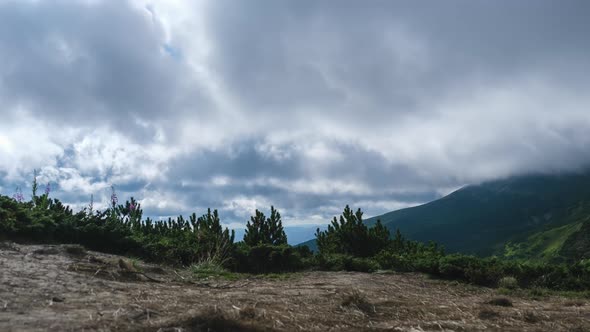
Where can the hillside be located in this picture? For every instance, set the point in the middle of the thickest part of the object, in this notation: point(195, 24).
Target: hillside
point(569, 240)
point(538, 211)
point(65, 288)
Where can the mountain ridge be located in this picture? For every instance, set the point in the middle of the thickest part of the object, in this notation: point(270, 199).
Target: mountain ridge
point(483, 218)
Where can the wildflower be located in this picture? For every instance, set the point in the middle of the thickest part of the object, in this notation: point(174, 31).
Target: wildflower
point(47, 189)
point(18, 195)
point(91, 205)
point(132, 206)
point(114, 198)
point(35, 173)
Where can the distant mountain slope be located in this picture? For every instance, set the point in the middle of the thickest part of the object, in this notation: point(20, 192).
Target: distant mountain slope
point(481, 219)
point(571, 240)
point(311, 244)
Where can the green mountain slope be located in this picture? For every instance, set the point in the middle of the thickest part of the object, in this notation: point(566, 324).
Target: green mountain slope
point(311, 244)
point(570, 240)
point(538, 213)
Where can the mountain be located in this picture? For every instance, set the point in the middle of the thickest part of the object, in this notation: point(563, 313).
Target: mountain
point(536, 214)
point(311, 244)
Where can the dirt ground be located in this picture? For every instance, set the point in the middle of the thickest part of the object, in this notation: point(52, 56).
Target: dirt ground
point(64, 288)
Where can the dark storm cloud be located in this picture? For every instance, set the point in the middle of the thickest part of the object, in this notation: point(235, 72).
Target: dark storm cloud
point(88, 63)
point(396, 56)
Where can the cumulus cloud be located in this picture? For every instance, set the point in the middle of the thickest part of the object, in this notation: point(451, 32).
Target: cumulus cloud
point(306, 105)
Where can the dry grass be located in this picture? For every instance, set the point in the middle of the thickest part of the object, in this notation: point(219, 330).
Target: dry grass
point(248, 312)
point(488, 314)
point(357, 300)
point(531, 317)
point(75, 250)
point(213, 320)
point(575, 303)
point(65, 292)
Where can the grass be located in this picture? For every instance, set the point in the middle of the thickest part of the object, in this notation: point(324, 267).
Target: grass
point(208, 270)
point(136, 263)
point(508, 282)
point(544, 245)
point(548, 243)
point(279, 276)
point(205, 270)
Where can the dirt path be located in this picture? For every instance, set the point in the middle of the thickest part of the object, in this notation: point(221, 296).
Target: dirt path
point(60, 288)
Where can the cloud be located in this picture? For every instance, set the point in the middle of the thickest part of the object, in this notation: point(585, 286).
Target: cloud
point(306, 105)
point(89, 62)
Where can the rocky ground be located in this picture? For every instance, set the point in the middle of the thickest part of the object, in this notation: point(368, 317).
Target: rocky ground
point(65, 288)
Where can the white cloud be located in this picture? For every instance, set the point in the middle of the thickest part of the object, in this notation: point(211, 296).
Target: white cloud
point(244, 207)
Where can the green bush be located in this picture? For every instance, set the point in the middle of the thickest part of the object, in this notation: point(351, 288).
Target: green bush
point(339, 262)
point(208, 269)
point(332, 262)
point(351, 236)
point(118, 230)
point(455, 266)
point(266, 258)
point(363, 265)
point(347, 245)
point(508, 283)
point(262, 230)
point(395, 261)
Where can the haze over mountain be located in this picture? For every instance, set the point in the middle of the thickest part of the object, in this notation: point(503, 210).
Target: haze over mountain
point(304, 105)
point(537, 214)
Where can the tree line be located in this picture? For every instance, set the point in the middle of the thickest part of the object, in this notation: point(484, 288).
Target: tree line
point(347, 244)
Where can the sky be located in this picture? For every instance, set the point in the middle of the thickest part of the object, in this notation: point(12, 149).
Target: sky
point(304, 105)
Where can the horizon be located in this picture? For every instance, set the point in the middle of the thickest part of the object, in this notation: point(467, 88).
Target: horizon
point(297, 234)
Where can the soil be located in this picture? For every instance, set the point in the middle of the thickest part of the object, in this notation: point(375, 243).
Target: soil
point(66, 288)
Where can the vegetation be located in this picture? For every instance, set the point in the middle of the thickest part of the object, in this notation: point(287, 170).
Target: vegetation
point(568, 240)
point(481, 219)
point(202, 243)
point(261, 230)
point(508, 283)
point(351, 236)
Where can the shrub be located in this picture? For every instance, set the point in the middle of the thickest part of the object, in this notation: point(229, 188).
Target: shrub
point(508, 283)
point(362, 265)
point(351, 236)
point(455, 266)
point(348, 244)
point(500, 301)
point(332, 262)
point(394, 261)
point(262, 230)
point(339, 262)
point(266, 258)
point(207, 269)
point(426, 263)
